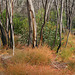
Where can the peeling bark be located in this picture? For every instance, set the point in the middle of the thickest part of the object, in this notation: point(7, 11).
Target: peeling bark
point(32, 24)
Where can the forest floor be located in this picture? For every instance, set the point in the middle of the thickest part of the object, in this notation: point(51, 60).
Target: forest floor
point(39, 61)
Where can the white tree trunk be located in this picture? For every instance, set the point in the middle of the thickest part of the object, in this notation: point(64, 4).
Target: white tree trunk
point(11, 21)
point(32, 22)
point(61, 16)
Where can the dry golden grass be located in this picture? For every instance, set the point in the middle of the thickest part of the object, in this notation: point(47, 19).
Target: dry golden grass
point(26, 69)
point(36, 56)
point(28, 61)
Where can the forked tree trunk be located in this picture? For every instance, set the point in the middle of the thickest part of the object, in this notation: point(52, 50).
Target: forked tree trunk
point(41, 32)
point(60, 26)
point(32, 24)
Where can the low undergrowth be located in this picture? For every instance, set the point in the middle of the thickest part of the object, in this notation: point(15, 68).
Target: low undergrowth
point(37, 56)
point(72, 65)
point(37, 61)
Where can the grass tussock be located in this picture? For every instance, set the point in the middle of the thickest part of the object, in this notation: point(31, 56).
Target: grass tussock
point(37, 56)
point(30, 62)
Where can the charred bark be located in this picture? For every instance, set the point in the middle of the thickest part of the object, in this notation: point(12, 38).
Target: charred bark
point(3, 36)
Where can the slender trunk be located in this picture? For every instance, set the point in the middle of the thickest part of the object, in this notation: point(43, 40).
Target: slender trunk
point(7, 22)
point(67, 38)
point(12, 31)
point(49, 9)
point(41, 32)
point(60, 26)
point(66, 14)
point(70, 22)
point(61, 16)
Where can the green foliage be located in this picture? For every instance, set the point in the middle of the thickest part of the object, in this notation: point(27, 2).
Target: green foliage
point(72, 48)
point(20, 24)
point(49, 28)
point(49, 34)
point(21, 27)
point(53, 17)
point(3, 18)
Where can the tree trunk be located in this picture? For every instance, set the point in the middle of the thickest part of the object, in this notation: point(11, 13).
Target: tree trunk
point(60, 26)
point(32, 24)
point(66, 14)
point(7, 22)
point(45, 17)
point(3, 36)
point(12, 43)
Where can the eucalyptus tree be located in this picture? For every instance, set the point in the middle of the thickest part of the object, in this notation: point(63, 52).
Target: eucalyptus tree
point(60, 25)
point(12, 31)
point(32, 24)
point(9, 23)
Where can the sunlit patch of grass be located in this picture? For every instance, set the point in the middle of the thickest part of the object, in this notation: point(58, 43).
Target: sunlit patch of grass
point(65, 54)
point(72, 48)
